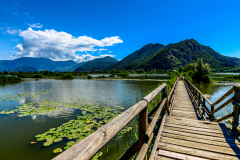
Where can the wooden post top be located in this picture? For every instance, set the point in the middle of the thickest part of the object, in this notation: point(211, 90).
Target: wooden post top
point(237, 87)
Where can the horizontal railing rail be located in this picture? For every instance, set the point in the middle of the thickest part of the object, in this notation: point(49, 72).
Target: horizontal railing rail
point(89, 146)
point(235, 100)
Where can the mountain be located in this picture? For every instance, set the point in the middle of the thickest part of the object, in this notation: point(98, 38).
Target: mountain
point(23, 69)
point(175, 55)
point(133, 59)
point(97, 64)
point(40, 64)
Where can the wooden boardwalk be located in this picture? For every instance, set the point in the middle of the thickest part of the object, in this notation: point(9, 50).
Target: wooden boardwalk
point(185, 136)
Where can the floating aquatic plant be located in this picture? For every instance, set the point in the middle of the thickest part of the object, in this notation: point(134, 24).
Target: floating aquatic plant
point(57, 150)
point(93, 117)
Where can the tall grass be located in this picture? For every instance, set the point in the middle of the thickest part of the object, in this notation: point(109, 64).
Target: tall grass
point(9, 79)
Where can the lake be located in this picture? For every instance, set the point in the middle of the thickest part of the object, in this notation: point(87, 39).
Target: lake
point(16, 133)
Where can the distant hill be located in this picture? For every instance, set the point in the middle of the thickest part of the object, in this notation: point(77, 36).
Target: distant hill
point(40, 64)
point(97, 64)
point(133, 59)
point(173, 56)
point(23, 69)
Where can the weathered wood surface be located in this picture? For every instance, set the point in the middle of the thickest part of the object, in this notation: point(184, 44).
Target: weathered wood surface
point(184, 136)
point(89, 146)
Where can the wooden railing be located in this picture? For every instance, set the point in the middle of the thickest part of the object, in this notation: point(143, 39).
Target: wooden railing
point(201, 99)
point(89, 146)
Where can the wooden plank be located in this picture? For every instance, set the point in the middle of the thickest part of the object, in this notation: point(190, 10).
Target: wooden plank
point(184, 112)
point(175, 155)
point(197, 128)
point(195, 132)
point(202, 146)
point(162, 158)
point(220, 107)
point(194, 124)
point(195, 152)
point(89, 146)
point(227, 139)
point(197, 121)
point(193, 139)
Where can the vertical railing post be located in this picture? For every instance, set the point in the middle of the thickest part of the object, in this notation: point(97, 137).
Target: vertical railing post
point(203, 110)
point(143, 124)
point(236, 110)
point(212, 116)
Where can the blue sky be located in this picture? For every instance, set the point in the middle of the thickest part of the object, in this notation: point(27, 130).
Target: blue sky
point(87, 29)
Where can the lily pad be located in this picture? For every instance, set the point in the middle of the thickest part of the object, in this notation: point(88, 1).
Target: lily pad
point(57, 150)
point(57, 139)
point(48, 143)
point(71, 143)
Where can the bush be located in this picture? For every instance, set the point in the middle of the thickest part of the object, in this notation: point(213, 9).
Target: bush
point(66, 76)
point(9, 79)
point(102, 77)
point(22, 76)
point(206, 79)
point(123, 74)
point(111, 75)
point(89, 77)
point(37, 76)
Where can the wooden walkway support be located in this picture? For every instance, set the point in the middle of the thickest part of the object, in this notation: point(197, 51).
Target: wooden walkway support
point(184, 132)
point(183, 135)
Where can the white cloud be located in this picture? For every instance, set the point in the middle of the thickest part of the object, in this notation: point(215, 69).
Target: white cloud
point(14, 40)
point(6, 52)
point(103, 49)
point(110, 51)
point(60, 45)
point(88, 57)
point(36, 25)
point(12, 31)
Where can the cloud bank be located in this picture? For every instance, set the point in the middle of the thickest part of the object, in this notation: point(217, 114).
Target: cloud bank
point(61, 45)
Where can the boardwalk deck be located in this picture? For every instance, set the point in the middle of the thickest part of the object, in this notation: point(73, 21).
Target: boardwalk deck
point(185, 136)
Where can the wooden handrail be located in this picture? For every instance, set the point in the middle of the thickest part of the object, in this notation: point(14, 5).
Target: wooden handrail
point(225, 117)
point(89, 146)
point(223, 97)
point(235, 101)
point(222, 106)
point(198, 91)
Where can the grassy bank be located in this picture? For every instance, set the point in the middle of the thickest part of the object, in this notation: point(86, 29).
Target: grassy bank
point(9, 79)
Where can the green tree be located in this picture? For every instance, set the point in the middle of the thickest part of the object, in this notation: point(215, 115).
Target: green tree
point(202, 72)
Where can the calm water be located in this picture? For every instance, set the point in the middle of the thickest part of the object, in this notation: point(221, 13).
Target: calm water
point(16, 133)
point(225, 74)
